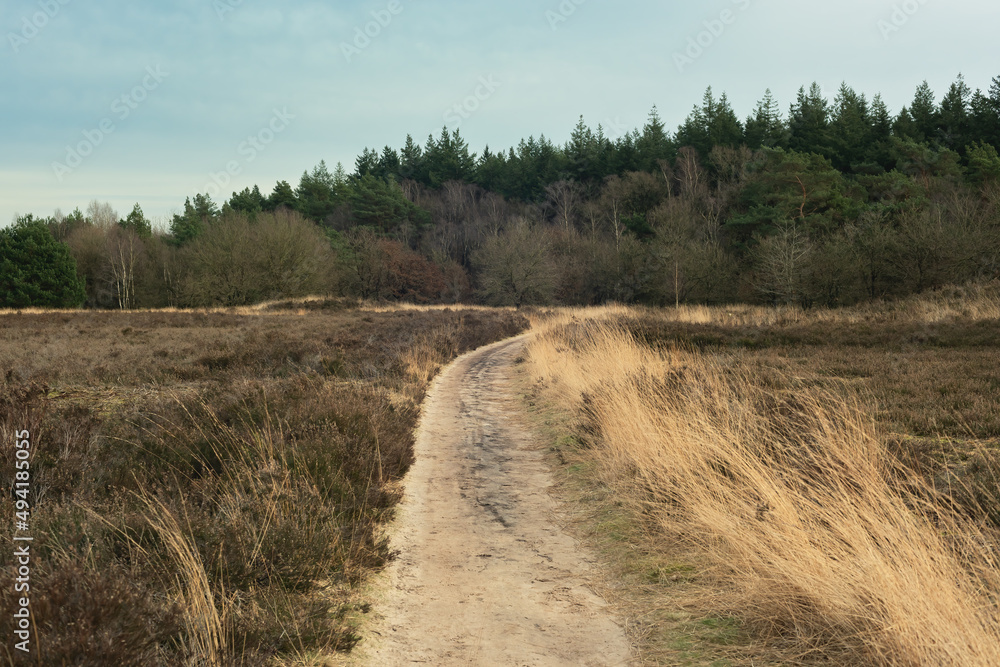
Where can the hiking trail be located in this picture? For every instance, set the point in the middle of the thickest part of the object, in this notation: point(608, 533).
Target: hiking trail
point(484, 574)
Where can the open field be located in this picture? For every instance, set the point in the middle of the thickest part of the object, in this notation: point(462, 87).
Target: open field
point(765, 485)
point(210, 484)
point(774, 486)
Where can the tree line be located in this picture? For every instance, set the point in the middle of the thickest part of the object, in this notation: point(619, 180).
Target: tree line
point(830, 203)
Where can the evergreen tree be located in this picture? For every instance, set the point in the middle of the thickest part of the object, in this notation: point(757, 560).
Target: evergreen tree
point(850, 129)
point(766, 128)
point(694, 132)
point(954, 121)
point(411, 161)
point(340, 178)
point(195, 218)
point(388, 164)
point(137, 222)
point(903, 126)
point(925, 162)
point(654, 144)
point(381, 205)
point(877, 155)
point(604, 154)
point(809, 123)
point(550, 164)
point(36, 269)
point(984, 121)
point(448, 159)
point(625, 156)
point(712, 124)
point(282, 196)
point(366, 163)
point(925, 114)
point(724, 127)
point(984, 163)
point(524, 177)
point(803, 188)
point(248, 201)
point(991, 124)
point(317, 194)
point(582, 154)
point(491, 171)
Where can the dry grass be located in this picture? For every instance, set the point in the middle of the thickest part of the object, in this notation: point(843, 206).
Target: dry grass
point(205, 641)
point(810, 532)
point(209, 486)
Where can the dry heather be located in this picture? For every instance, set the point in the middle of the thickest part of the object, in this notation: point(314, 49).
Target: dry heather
point(208, 486)
point(812, 532)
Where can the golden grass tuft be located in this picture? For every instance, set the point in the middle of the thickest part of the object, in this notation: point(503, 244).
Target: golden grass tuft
point(206, 638)
point(829, 546)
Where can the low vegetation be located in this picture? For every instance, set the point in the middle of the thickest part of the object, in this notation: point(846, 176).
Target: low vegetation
point(789, 486)
point(768, 485)
point(207, 486)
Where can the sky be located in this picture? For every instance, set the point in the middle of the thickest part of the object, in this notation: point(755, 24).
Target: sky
point(151, 103)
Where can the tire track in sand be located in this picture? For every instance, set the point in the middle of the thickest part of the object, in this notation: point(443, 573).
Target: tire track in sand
point(484, 575)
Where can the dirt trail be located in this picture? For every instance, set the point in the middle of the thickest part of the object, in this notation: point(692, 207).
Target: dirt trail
point(484, 575)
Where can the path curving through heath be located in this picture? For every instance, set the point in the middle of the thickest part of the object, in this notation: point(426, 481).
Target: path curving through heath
point(484, 575)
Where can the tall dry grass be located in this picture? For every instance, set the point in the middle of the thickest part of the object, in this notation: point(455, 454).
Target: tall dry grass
point(829, 546)
point(206, 637)
point(972, 302)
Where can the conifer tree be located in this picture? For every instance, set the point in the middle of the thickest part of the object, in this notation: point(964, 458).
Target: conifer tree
point(954, 116)
point(924, 112)
point(809, 122)
point(137, 222)
point(850, 128)
point(36, 269)
point(654, 143)
point(282, 196)
point(766, 127)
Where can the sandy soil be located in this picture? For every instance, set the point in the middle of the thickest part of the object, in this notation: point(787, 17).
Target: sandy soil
point(485, 575)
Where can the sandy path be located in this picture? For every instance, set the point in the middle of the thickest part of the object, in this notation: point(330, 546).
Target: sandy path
point(484, 574)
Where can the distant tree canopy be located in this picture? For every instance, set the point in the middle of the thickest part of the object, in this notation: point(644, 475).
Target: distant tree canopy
point(36, 269)
point(853, 132)
point(857, 136)
point(830, 201)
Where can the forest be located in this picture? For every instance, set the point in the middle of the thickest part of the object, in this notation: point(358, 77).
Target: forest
point(829, 203)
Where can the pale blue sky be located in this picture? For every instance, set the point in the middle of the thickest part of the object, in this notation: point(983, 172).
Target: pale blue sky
point(161, 96)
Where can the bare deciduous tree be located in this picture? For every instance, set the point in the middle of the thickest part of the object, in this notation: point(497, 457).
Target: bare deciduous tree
point(237, 262)
point(515, 267)
point(101, 215)
point(781, 260)
point(563, 200)
point(124, 253)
